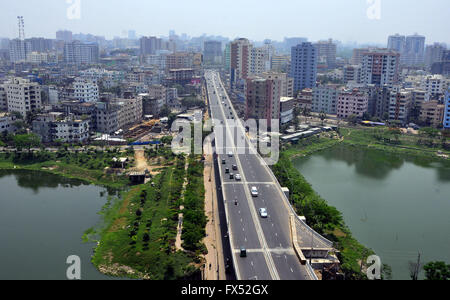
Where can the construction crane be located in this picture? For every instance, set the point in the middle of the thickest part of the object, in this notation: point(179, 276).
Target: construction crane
point(21, 28)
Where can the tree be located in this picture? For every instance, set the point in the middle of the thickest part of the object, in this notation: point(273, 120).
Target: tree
point(323, 117)
point(437, 271)
point(27, 141)
point(430, 132)
point(165, 111)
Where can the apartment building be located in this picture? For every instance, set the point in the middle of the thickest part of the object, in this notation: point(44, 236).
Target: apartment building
point(263, 99)
point(325, 98)
point(240, 60)
point(79, 53)
point(151, 106)
point(304, 66)
point(380, 67)
point(287, 83)
point(7, 121)
point(352, 102)
point(85, 90)
point(23, 96)
point(434, 86)
point(447, 110)
point(114, 114)
point(400, 103)
point(432, 113)
point(3, 99)
point(212, 52)
point(326, 52)
point(352, 73)
point(287, 105)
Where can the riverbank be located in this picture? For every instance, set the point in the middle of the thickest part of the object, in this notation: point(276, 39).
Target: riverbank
point(62, 166)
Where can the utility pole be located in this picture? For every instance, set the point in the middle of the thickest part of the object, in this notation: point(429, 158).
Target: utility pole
point(417, 269)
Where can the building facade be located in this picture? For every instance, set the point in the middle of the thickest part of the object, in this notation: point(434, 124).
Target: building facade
point(23, 96)
point(304, 66)
point(352, 102)
point(263, 99)
point(380, 67)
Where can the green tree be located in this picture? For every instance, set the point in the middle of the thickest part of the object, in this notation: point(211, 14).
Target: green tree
point(437, 271)
point(26, 141)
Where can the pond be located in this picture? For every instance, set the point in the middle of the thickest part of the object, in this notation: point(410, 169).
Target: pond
point(42, 220)
point(395, 205)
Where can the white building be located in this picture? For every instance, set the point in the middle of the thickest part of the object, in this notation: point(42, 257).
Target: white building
point(287, 83)
point(434, 86)
point(380, 67)
point(325, 98)
point(85, 90)
point(23, 96)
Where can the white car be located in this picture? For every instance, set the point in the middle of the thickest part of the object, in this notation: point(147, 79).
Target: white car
point(263, 213)
point(255, 191)
point(230, 154)
point(238, 177)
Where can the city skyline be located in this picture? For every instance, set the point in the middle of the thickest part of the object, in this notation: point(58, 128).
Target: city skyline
point(286, 19)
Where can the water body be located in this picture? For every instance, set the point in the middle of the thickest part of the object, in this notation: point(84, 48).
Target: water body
point(394, 205)
point(42, 221)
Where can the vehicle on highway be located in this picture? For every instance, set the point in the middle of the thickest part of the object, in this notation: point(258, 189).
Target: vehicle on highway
point(230, 154)
point(235, 168)
point(255, 192)
point(243, 252)
point(263, 213)
point(231, 176)
point(224, 162)
point(227, 171)
point(238, 177)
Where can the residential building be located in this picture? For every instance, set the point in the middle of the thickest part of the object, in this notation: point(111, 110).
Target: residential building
point(18, 50)
point(212, 52)
point(432, 113)
point(150, 45)
point(85, 90)
point(414, 50)
point(3, 99)
point(325, 98)
point(287, 105)
point(352, 103)
point(280, 63)
point(400, 104)
point(114, 114)
point(352, 73)
point(7, 123)
point(240, 56)
point(64, 35)
point(380, 67)
point(287, 83)
point(397, 43)
point(434, 86)
point(23, 96)
point(434, 53)
point(304, 99)
point(79, 53)
point(151, 106)
point(258, 61)
point(326, 52)
point(304, 66)
point(263, 99)
point(447, 110)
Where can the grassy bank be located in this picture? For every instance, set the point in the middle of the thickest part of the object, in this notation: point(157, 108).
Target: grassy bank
point(138, 239)
point(67, 165)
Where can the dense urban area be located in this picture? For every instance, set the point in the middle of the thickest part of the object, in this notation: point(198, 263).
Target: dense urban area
point(102, 111)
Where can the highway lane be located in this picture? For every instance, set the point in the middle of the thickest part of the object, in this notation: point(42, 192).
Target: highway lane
point(268, 240)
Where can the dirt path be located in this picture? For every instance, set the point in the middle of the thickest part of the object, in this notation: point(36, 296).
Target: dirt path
point(178, 240)
point(141, 161)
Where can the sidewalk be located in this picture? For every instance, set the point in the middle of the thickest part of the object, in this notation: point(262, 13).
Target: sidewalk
point(214, 266)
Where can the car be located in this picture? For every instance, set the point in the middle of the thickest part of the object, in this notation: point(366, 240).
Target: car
point(231, 176)
point(263, 213)
point(243, 252)
point(255, 191)
point(227, 171)
point(235, 168)
point(230, 154)
point(238, 177)
point(224, 162)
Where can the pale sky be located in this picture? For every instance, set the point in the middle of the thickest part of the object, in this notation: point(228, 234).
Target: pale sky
point(344, 20)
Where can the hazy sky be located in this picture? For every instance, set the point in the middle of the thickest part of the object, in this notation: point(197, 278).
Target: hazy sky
point(344, 20)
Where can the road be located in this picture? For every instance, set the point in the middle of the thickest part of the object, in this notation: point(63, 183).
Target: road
point(268, 241)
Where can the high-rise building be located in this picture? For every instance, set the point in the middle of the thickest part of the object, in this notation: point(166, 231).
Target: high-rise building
point(212, 52)
point(150, 45)
point(40, 44)
point(400, 103)
point(227, 57)
point(304, 66)
point(293, 41)
point(23, 96)
point(258, 61)
point(64, 35)
point(287, 83)
point(263, 99)
point(414, 50)
point(434, 53)
point(380, 67)
point(78, 53)
point(397, 43)
point(326, 51)
point(447, 110)
point(240, 60)
point(18, 50)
